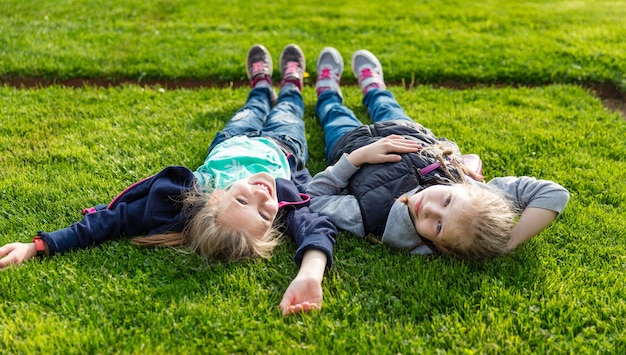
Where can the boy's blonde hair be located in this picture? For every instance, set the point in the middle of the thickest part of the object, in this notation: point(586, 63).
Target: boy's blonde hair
point(487, 226)
point(204, 234)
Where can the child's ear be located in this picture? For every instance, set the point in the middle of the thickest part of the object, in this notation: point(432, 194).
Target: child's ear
point(442, 249)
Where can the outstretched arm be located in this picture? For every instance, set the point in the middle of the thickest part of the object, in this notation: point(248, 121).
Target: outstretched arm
point(540, 202)
point(314, 235)
point(305, 291)
point(531, 222)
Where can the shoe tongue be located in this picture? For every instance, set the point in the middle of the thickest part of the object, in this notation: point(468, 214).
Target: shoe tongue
point(366, 71)
point(292, 68)
point(258, 68)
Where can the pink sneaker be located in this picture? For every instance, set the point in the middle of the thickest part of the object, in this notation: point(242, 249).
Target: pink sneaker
point(259, 68)
point(368, 70)
point(292, 66)
point(329, 69)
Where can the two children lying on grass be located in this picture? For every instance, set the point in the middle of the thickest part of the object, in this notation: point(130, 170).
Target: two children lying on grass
point(393, 179)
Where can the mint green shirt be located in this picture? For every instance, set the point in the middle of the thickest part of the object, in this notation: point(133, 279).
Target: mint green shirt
point(240, 157)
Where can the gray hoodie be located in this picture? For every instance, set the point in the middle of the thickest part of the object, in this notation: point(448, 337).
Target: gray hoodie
point(328, 196)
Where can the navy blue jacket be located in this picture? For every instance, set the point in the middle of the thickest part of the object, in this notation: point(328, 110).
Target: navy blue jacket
point(151, 206)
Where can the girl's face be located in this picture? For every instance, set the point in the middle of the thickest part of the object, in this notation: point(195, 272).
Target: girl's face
point(435, 212)
point(250, 205)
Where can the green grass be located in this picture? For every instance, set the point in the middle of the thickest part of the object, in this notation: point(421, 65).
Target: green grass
point(496, 41)
point(66, 149)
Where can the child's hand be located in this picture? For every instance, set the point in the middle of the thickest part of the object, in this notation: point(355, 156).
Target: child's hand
point(16, 253)
point(303, 295)
point(382, 151)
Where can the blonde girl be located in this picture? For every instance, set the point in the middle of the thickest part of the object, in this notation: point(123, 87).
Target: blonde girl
point(232, 206)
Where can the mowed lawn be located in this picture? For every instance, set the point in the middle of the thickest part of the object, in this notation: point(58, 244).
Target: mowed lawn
point(516, 42)
point(530, 111)
point(66, 149)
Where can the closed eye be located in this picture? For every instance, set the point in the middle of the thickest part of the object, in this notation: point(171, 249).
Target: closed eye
point(241, 201)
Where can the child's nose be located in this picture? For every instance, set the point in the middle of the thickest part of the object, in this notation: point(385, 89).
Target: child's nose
point(260, 194)
point(429, 209)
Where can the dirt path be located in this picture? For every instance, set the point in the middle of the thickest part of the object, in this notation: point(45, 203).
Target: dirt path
point(611, 97)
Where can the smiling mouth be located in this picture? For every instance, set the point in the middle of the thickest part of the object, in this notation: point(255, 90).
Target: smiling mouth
point(418, 206)
point(265, 187)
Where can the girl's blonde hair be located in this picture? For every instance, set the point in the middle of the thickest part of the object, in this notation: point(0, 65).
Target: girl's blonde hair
point(446, 154)
point(204, 234)
point(488, 226)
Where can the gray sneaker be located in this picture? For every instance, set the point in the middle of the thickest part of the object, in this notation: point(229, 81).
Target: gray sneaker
point(259, 67)
point(292, 66)
point(368, 70)
point(259, 64)
point(329, 69)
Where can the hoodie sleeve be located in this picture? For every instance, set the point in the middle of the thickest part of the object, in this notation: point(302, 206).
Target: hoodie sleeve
point(328, 197)
point(311, 230)
point(147, 207)
point(308, 229)
point(529, 192)
point(94, 228)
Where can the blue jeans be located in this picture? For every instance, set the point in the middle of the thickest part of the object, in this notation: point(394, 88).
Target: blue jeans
point(283, 123)
point(337, 119)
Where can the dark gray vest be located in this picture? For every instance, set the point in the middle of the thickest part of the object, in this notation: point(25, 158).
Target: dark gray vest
point(377, 186)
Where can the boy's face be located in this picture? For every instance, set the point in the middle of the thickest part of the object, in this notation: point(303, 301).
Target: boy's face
point(250, 205)
point(435, 213)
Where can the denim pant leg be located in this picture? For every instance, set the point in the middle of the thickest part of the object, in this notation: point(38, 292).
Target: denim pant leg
point(335, 118)
point(382, 106)
point(249, 119)
point(285, 123)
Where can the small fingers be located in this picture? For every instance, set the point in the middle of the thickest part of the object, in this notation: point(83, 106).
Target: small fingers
point(402, 147)
point(304, 307)
point(5, 250)
point(292, 310)
point(397, 141)
point(389, 158)
point(7, 261)
point(395, 137)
